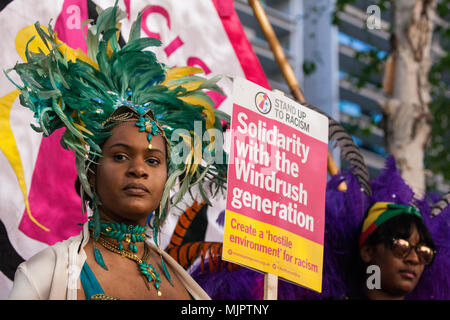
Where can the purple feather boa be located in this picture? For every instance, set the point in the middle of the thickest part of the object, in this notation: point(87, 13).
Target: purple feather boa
point(344, 212)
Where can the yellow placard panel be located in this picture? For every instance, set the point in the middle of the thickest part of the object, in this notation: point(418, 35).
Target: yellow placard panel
point(271, 249)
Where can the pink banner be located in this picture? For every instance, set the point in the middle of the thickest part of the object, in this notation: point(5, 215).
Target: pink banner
point(247, 57)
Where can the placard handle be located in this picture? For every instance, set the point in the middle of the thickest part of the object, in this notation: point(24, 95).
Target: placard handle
point(270, 286)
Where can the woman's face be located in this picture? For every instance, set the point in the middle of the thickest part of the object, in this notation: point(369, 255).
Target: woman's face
point(398, 276)
point(130, 177)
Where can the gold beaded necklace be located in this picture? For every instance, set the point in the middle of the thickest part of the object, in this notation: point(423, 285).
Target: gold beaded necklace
point(147, 270)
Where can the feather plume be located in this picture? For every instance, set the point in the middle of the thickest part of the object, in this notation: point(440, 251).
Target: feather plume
point(166, 271)
point(441, 204)
point(99, 258)
point(348, 149)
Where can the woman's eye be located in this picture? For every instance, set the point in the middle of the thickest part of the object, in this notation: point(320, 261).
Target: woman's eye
point(119, 157)
point(153, 161)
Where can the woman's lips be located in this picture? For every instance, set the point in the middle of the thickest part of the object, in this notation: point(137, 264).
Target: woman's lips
point(408, 274)
point(135, 189)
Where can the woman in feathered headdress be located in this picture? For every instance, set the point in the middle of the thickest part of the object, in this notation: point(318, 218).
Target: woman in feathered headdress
point(130, 122)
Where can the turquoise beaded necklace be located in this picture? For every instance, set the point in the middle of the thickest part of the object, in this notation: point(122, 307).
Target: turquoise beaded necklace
point(122, 232)
point(129, 234)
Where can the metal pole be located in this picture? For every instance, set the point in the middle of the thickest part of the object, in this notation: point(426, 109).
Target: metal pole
point(286, 69)
point(277, 50)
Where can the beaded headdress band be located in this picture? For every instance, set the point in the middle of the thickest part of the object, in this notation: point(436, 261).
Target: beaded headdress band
point(145, 120)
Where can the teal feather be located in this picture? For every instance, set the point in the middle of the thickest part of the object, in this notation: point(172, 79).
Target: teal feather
point(105, 20)
point(166, 271)
point(203, 194)
point(99, 258)
point(96, 218)
point(5, 72)
point(83, 201)
point(155, 229)
point(200, 176)
point(140, 44)
point(92, 43)
point(27, 52)
point(185, 185)
point(42, 34)
point(135, 31)
point(82, 174)
point(171, 180)
point(222, 115)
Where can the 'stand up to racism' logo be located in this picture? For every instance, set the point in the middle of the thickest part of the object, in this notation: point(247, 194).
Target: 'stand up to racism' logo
point(263, 103)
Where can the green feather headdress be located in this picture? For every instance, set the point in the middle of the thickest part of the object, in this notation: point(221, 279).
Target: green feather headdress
point(67, 89)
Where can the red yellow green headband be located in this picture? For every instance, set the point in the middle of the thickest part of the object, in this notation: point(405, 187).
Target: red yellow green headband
point(381, 212)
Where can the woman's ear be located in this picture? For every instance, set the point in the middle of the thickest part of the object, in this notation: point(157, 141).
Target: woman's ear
point(366, 253)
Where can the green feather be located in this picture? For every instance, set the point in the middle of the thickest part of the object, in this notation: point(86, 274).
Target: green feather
point(92, 44)
point(166, 271)
point(41, 34)
point(96, 218)
point(155, 229)
point(82, 175)
point(99, 258)
point(140, 44)
point(185, 185)
point(222, 115)
point(135, 32)
point(170, 183)
point(203, 194)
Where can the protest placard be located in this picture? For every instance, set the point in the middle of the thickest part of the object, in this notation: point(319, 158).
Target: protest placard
point(275, 211)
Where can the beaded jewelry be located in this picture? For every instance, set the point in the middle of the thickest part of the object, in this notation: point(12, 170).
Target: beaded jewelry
point(146, 121)
point(130, 234)
point(148, 126)
point(122, 232)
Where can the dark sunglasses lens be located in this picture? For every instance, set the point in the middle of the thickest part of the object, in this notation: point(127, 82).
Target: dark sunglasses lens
point(425, 254)
point(400, 248)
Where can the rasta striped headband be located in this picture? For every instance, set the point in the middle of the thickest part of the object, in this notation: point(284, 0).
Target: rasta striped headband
point(381, 212)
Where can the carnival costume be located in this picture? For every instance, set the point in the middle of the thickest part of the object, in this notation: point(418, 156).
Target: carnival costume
point(89, 94)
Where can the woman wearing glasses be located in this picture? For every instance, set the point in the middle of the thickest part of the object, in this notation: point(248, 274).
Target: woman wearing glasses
point(395, 240)
point(376, 246)
point(386, 245)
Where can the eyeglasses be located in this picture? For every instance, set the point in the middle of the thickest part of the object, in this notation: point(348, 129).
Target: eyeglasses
point(401, 248)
